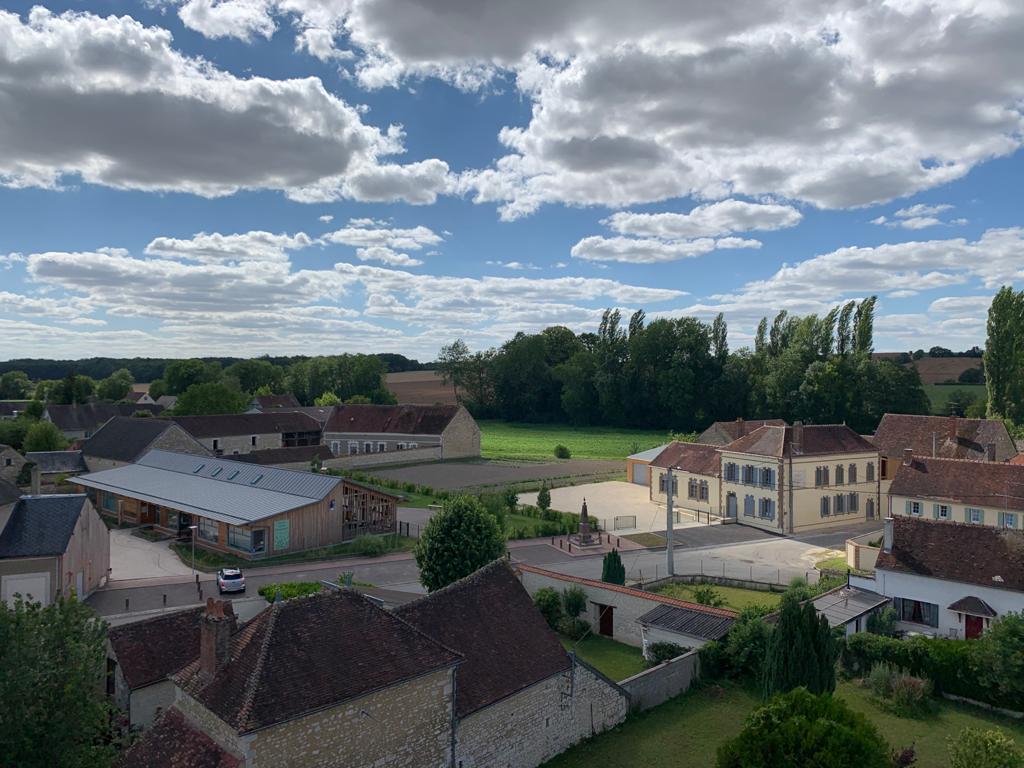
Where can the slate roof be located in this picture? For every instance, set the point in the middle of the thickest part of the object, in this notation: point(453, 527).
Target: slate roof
point(8, 408)
point(649, 455)
point(690, 457)
point(125, 439)
point(950, 436)
point(277, 401)
point(167, 401)
point(220, 489)
point(818, 439)
point(231, 424)
point(9, 493)
point(396, 419)
point(271, 456)
point(149, 650)
point(173, 743)
point(974, 606)
point(489, 618)
point(41, 526)
point(688, 622)
point(988, 485)
point(58, 462)
point(842, 605)
point(88, 416)
point(724, 432)
point(309, 653)
point(969, 554)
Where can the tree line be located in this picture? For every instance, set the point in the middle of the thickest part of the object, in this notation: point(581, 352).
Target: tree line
point(680, 373)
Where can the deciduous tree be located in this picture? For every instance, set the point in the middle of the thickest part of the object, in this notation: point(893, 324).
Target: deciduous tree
point(44, 436)
point(457, 541)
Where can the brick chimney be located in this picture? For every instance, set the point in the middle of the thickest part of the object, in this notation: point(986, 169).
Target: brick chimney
point(908, 457)
point(951, 428)
point(990, 451)
point(215, 630)
point(887, 535)
point(798, 437)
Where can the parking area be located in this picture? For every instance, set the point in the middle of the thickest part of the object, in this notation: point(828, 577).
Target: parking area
point(481, 474)
point(132, 557)
point(622, 508)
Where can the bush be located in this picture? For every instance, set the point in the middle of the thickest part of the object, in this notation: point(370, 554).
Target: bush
point(288, 590)
point(574, 601)
point(544, 498)
point(369, 546)
point(574, 629)
point(746, 644)
point(457, 541)
point(975, 748)
point(612, 569)
point(883, 622)
point(705, 594)
point(911, 696)
point(714, 661)
point(562, 452)
point(548, 602)
point(880, 680)
point(659, 653)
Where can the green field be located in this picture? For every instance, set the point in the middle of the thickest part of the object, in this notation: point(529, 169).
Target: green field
point(939, 394)
point(735, 597)
point(613, 659)
point(686, 731)
point(507, 440)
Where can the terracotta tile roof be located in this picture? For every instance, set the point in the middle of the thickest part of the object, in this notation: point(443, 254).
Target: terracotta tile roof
point(974, 606)
point(1018, 459)
point(490, 619)
point(309, 653)
point(969, 554)
point(173, 743)
point(951, 437)
point(397, 419)
point(988, 485)
point(300, 453)
point(148, 651)
point(690, 457)
point(228, 424)
point(817, 439)
point(724, 432)
point(652, 596)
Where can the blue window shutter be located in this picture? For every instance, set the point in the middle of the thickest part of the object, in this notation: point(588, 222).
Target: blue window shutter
point(1000, 520)
point(982, 518)
point(908, 506)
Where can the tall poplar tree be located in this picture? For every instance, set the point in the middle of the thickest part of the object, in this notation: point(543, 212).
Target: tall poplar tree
point(1004, 355)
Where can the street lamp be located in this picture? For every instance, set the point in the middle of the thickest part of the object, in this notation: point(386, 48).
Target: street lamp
point(194, 574)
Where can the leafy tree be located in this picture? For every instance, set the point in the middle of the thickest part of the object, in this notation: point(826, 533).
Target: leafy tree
point(157, 388)
point(13, 432)
point(44, 436)
point(802, 730)
point(182, 374)
point(327, 399)
point(34, 409)
point(999, 659)
point(612, 569)
point(975, 748)
point(55, 712)
point(1004, 355)
point(544, 498)
point(746, 645)
point(116, 386)
point(210, 397)
point(457, 541)
point(14, 385)
point(883, 622)
point(705, 594)
point(801, 650)
point(548, 602)
point(72, 389)
point(451, 364)
point(254, 374)
point(574, 601)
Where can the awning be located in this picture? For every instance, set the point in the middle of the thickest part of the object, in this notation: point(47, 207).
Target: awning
point(975, 606)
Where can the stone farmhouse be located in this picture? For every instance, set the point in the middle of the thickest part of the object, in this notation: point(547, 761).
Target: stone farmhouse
point(124, 440)
point(961, 490)
point(469, 676)
point(11, 463)
point(237, 433)
point(442, 431)
point(81, 420)
point(948, 579)
point(240, 508)
point(52, 545)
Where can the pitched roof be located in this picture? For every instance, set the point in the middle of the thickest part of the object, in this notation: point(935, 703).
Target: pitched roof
point(173, 743)
point(649, 455)
point(229, 424)
point(149, 650)
point(167, 401)
point(844, 604)
point(817, 439)
point(220, 489)
point(277, 401)
point(125, 439)
point(9, 493)
point(12, 407)
point(724, 432)
point(950, 437)
point(53, 462)
point(309, 653)
point(396, 419)
point(300, 453)
point(41, 526)
point(489, 618)
point(974, 606)
point(87, 417)
point(985, 484)
point(688, 621)
point(1018, 459)
point(690, 457)
point(969, 554)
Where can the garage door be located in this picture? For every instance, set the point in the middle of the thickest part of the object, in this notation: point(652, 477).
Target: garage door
point(640, 473)
point(36, 585)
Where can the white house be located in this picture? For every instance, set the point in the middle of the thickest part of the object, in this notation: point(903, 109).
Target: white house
point(948, 579)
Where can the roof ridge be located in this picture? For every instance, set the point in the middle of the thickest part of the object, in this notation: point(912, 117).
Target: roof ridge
point(919, 457)
point(252, 684)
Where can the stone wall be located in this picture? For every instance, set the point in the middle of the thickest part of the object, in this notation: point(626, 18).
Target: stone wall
point(232, 445)
point(148, 702)
point(859, 554)
point(11, 463)
point(665, 681)
point(461, 438)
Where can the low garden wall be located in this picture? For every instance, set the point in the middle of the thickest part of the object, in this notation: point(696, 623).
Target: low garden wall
point(659, 684)
point(859, 555)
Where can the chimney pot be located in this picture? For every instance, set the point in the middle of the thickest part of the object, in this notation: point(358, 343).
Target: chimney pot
point(215, 629)
point(887, 535)
point(908, 457)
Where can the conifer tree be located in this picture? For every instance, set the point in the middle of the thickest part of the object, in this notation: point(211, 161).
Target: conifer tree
point(612, 569)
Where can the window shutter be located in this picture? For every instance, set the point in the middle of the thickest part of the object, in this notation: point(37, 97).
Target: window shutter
point(908, 507)
point(935, 511)
point(981, 518)
point(824, 474)
point(1000, 520)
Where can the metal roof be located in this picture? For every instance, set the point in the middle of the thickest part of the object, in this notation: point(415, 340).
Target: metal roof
point(220, 489)
point(649, 455)
point(843, 605)
point(686, 621)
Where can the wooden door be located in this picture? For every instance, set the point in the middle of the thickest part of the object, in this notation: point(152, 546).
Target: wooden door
point(974, 626)
point(606, 613)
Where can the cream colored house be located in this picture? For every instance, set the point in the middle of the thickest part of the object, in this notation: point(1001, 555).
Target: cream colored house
point(696, 479)
point(799, 478)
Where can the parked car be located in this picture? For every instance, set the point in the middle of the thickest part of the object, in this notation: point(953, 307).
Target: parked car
point(230, 580)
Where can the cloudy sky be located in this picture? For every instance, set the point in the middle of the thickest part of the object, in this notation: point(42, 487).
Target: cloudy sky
point(238, 177)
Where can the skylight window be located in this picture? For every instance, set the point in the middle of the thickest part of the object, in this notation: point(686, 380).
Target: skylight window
point(217, 471)
point(197, 469)
point(255, 479)
point(233, 475)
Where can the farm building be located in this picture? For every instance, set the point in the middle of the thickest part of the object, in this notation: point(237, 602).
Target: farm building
point(638, 465)
point(122, 440)
point(236, 433)
point(448, 430)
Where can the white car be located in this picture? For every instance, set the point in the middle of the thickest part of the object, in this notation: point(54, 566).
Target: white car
point(230, 580)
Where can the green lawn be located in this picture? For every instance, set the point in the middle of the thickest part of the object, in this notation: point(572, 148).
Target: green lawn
point(506, 440)
point(208, 561)
point(734, 597)
point(616, 660)
point(686, 731)
point(939, 394)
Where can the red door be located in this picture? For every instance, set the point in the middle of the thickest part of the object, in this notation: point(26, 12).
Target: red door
point(606, 620)
point(974, 626)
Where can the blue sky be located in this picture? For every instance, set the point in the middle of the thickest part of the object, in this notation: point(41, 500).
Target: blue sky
point(186, 177)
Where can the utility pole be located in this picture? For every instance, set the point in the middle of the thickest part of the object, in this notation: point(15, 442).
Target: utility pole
point(669, 552)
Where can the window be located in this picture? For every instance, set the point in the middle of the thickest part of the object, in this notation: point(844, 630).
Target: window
point(851, 474)
point(974, 515)
point(839, 474)
point(691, 488)
point(239, 538)
point(208, 529)
point(853, 502)
point(913, 508)
point(871, 472)
point(353, 447)
point(825, 503)
point(335, 447)
point(767, 509)
point(917, 611)
point(216, 444)
point(703, 490)
point(821, 476)
point(382, 447)
point(869, 508)
point(400, 446)
point(367, 447)
point(940, 511)
point(732, 472)
point(1009, 519)
point(748, 506)
point(883, 466)
point(233, 474)
point(171, 519)
point(413, 445)
point(8, 461)
point(748, 474)
point(252, 441)
point(840, 503)
point(109, 502)
point(768, 477)
point(217, 471)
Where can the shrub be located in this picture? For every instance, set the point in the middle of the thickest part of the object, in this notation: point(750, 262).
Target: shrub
point(714, 660)
point(551, 515)
point(612, 569)
point(746, 644)
point(574, 601)
point(457, 541)
point(705, 594)
point(574, 629)
point(911, 696)
point(883, 622)
point(880, 679)
point(548, 602)
point(975, 748)
point(544, 498)
point(288, 590)
point(659, 653)
point(562, 452)
point(369, 546)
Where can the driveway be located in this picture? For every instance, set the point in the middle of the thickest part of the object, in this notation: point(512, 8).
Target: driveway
point(134, 558)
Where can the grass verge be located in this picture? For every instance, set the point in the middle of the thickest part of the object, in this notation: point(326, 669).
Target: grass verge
point(207, 560)
point(646, 539)
point(615, 660)
point(735, 597)
point(508, 440)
